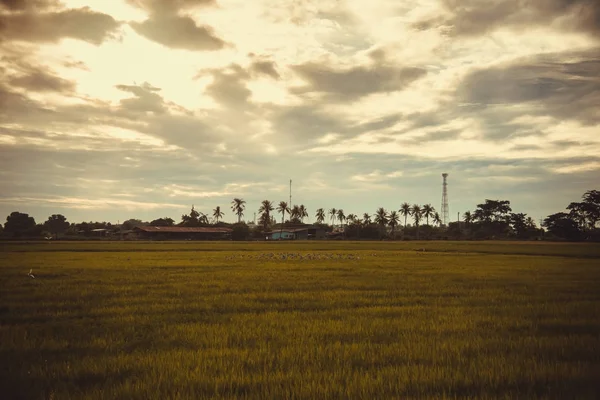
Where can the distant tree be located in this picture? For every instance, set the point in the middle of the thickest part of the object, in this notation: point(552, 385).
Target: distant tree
point(467, 217)
point(381, 219)
point(56, 224)
point(393, 220)
point(193, 219)
point(302, 213)
point(341, 216)
point(417, 215)
point(366, 219)
point(295, 214)
point(563, 226)
point(166, 221)
point(405, 211)
point(18, 223)
point(265, 213)
point(238, 206)
point(218, 214)
point(320, 216)
point(351, 218)
point(240, 231)
point(437, 219)
point(332, 215)
point(282, 208)
point(427, 212)
point(493, 210)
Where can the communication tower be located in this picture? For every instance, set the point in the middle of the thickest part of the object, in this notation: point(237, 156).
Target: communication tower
point(445, 210)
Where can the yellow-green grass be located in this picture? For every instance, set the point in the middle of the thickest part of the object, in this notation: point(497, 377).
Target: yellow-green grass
point(331, 320)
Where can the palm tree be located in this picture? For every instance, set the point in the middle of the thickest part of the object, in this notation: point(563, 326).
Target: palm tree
point(351, 218)
point(427, 212)
point(282, 208)
point(381, 219)
point(468, 217)
point(302, 213)
point(238, 206)
point(218, 214)
point(393, 220)
point(406, 211)
point(332, 214)
point(320, 215)
point(436, 219)
point(295, 213)
point(265, 209)
point(366, 219)
point(416, 213)
point(340, 216)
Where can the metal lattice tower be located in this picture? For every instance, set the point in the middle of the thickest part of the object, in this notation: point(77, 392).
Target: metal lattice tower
point(445, 210)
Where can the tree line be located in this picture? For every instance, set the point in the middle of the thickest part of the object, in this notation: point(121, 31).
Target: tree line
point(493, 219)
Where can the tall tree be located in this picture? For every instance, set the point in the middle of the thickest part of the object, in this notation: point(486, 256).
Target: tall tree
point(56, 224)
point(218, 214)
point(405, 211)
point(563, 225)
point(302, 213)
point(416, 214)
point(381, 219)
point(295, 214)
point(18, 223)
point(238, 206)
point(393, 220)
point(193, 219)
point(437, 219)
point(341, 216)
point(333, 216)
point(467, 217)
point(493, 211)
point(366, 219)
point(427, 211)
point(320, 216)
point(265, 212)
point(282, 208)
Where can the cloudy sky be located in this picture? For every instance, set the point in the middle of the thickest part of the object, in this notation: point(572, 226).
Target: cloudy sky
point(116, 109)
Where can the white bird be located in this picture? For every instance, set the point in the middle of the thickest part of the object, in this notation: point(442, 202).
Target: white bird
point(31, 273)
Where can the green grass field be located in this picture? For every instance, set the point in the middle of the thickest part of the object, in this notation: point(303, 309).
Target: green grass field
point(312, 320)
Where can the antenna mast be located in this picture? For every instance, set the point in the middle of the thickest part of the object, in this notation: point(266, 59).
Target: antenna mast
point(445, 210)
point(290, 204)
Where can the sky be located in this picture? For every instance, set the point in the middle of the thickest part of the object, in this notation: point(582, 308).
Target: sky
point(118, 109)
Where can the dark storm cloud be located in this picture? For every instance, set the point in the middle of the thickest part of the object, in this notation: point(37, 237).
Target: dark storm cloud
point(51, 26)
point(351, 83)
point(178, 32)
point(548, 83)
point(475, 17)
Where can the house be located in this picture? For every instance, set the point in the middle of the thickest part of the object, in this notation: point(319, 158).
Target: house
point(296, 232)
point(181, 233)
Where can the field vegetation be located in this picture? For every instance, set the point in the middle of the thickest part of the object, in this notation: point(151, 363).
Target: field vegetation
point(312, 320)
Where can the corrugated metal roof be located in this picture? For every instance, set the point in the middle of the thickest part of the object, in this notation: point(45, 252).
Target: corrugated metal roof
point(183, 229)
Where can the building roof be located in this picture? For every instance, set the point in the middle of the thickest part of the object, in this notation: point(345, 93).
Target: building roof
point(182, 229)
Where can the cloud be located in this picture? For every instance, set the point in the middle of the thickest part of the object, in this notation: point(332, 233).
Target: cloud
point(476, 17)
point(563, 85)
point(267, 68)
point(52, 26)
point(346, 84)
point(178, 32)
point(19, 5)
point(169, 6)
point(146, 98)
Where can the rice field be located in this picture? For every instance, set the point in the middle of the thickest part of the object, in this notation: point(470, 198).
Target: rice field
point(302, 320)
